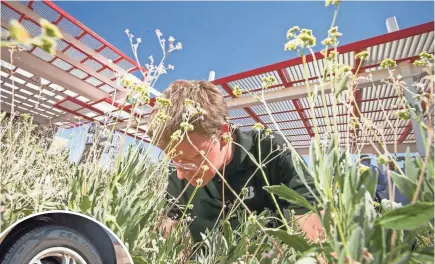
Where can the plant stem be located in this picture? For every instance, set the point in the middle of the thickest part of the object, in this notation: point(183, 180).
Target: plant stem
point(422, 172)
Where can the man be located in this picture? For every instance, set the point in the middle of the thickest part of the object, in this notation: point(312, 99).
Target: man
point(382, 191)
point(399, 197)
point(230, 154)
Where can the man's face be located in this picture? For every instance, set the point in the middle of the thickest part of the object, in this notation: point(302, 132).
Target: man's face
point(216, 151)
point(366, 162)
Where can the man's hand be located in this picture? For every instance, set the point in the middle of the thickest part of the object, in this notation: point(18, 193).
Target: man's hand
point(310, 224)
point(169, 224)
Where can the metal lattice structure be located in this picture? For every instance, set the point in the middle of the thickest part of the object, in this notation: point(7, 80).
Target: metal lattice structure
point(290, 105)
point(80, 81)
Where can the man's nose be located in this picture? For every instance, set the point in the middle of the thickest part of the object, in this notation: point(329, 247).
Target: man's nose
point(182, 174)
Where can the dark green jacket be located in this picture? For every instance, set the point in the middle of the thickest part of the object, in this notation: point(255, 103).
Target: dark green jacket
point(207, 202)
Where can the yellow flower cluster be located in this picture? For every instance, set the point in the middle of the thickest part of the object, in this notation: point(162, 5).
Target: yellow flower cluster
point(331, 40)
point(176, 135)
point(46, 41)
point(333, 2)
point(258, 126)
point(163, 101)
point(237, 91)
point(425, 59)
point(304, 39)
point(186, 126)
point(268, 81)
point(362, 55)
point(388, 63)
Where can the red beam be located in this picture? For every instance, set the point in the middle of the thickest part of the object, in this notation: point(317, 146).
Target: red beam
point(284, 78)
point(346, 114)
point(408, 128)
point(405, 132)
point(410, 59)
point(58, 20)
point(117, 60)
point(100, 48)
point(81, 35)
point(72, 112)
point(90, 32)
point(360, 45)
point(247, 109)
point(303, 117)
point(68, 44)
point(125, 108)
point(363, 68)
point(85, 105)
point(254, 116)
point(30, 4)
point(302, 127)
point(85, 59)
point(132, 70)
point(315, 107)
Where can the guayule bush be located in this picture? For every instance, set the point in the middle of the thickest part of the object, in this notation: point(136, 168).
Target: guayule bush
point(130, 198)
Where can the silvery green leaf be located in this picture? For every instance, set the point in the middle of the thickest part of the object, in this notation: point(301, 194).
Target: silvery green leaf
point(356, 243)
point(326, 219)
point(411, 169)
point(297, 242)
point(285, 193)
point(410, 216)
point(306, 260)
point(342, 85)
point(228, 232)
point(405, 185)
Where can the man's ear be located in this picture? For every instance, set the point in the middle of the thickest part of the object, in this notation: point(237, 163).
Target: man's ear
point(225, 128)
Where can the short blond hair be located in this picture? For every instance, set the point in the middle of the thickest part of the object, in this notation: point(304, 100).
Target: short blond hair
point(204, 93)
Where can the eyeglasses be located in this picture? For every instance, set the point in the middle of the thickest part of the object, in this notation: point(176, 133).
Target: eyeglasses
point(188, 165)
point(184, 166)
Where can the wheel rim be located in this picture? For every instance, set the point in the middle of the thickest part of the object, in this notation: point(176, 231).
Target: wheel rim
point(61, 255)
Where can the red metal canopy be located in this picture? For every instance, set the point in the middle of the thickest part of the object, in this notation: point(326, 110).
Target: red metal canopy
point(79, 81)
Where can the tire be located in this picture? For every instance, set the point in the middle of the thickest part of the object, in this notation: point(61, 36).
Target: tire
point(48, 238)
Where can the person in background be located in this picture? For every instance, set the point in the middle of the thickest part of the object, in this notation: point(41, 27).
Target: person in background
point(382, 189)
point(382, 184)
point(398, 196)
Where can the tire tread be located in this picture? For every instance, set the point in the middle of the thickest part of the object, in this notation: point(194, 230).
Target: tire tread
point(17, 244)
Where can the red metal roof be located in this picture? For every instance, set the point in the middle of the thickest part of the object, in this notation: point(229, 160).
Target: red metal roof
point(85, 56)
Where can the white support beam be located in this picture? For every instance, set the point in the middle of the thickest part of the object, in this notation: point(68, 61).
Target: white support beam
point(77, 43)
point(6, 105)
point(31, 81)
point(410, 91)
point(289, 93)
point(41, 68)
point(67, 37)
point(28, 105)
point(366, 79)
point(369, 149)
point(76, 64)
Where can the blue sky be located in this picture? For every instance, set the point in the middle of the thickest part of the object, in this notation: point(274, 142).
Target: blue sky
point(232, 37)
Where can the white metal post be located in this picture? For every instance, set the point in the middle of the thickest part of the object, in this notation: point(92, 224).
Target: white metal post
point(409, 93)
point(392, 24)
point(211, 76)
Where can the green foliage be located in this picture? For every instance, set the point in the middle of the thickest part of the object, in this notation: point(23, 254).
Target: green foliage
point(408, 217)
point(130, 200)
point(290, 195)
